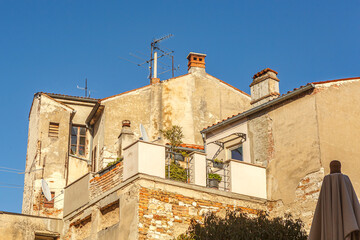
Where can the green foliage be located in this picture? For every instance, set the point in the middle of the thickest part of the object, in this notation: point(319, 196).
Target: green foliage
point(185, 154)
point(114, 162)
point(215, 176)
point(218, 161)
point(174, 135)
point(239, 226)
point(176, 172)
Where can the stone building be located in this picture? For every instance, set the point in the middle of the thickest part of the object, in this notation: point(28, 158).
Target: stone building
point(271, 153)
point(71, 136)
point(294, 136)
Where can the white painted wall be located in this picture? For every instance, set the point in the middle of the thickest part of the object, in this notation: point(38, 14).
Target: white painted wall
point(144, 157)
point(199, 171)
point(238, 127)
point(248, 179)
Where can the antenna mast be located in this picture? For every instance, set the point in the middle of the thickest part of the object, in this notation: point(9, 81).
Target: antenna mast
point(85, 88)
point(155, 54)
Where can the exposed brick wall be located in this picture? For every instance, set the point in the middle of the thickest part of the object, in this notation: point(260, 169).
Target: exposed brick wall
point(165, 215)
point(101, 184)
point(307, 194)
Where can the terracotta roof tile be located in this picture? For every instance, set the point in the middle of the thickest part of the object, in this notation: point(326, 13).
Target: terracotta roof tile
point(263, 72)
point(192, 146)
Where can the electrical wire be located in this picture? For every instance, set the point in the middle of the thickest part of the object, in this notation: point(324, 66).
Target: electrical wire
point(12, 169)
point(9, 171)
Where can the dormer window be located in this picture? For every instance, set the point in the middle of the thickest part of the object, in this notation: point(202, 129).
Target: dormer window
point(78, 140)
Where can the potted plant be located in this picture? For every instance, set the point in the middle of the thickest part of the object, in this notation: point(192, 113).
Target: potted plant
point(178, 157)
point(218, 163)
point(214, 180)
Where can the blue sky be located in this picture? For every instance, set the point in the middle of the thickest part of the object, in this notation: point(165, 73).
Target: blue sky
point(52, 46)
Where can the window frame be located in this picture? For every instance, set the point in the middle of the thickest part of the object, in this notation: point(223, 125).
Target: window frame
point(49, 204)
point(78, 144)
point(233, 147)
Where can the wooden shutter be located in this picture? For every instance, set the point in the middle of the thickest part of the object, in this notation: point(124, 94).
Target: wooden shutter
point(53, 129)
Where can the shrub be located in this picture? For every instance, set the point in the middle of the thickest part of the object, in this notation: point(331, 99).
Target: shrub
point(114, 162)
point(239, 226)
point(176, 172)
point(215, 176)
point(174, 135)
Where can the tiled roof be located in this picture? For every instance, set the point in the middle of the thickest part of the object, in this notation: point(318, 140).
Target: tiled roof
point(67, 96)
point(192, 146)
point(295, 89)
point(263, 72)
point(243, 112)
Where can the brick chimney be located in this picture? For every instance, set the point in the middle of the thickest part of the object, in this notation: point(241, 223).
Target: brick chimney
point(196, 62)
point(265, 87)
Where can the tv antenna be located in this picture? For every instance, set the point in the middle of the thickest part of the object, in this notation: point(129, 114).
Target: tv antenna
point(84, 88)
point(154, 62)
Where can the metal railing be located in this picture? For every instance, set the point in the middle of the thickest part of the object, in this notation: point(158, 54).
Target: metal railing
point(220, 169)
point(177, 167)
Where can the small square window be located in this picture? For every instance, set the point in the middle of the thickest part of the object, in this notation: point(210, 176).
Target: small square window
point(236, 152)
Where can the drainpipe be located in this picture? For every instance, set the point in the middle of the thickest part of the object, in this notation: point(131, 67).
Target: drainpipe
point(203, 135)
point(91, 130)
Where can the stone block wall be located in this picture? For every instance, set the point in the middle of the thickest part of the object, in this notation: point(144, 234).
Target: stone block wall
point(103, 183)
point(165, 214)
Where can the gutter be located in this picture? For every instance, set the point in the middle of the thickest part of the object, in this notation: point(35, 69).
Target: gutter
point(73, 98)
point(258, 108)
point(92, 113)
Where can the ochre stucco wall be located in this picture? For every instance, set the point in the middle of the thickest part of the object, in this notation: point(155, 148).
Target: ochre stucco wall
point(17, 226)
point(338, 108)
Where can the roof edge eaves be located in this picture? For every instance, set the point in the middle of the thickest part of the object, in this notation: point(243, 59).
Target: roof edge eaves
point(258, 108)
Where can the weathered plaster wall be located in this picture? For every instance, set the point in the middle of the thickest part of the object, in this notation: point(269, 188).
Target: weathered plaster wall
point(296, 147)
point(338, 111)
point(77, 168)
point(98, 141)
point(51, 155)
point(31, 155)
point(192, 101)
point(134, 106)
point(17, 226)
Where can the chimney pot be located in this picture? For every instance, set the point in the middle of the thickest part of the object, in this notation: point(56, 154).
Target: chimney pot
point(154, 81)
point(126, 123)
point(196, 62)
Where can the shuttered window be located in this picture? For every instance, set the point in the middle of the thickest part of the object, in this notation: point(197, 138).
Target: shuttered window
point(53, 129)
point(49, 204)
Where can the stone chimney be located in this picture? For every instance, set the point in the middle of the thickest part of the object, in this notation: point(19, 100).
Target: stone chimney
point(196, 62)
point(265, 87)
point(126, 137)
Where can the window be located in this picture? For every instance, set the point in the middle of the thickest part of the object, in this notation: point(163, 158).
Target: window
point(53, 129)
point(44, 236)
point(236, 152)
point(49, 204)
point(78, 139)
